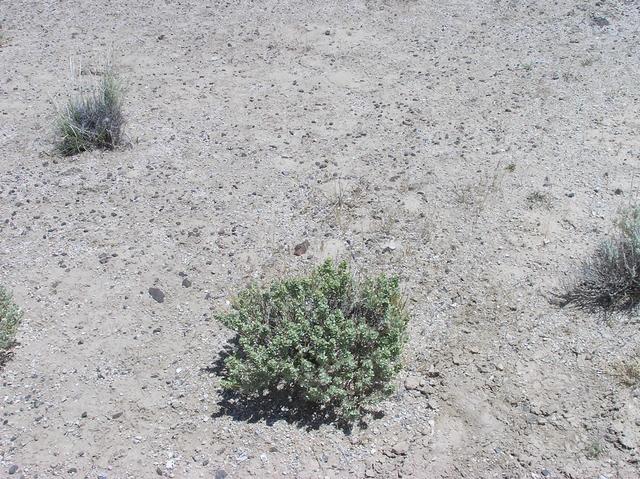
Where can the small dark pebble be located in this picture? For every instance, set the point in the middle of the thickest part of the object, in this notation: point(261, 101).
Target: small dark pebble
point(205, 462)
point(571, 194)
point(157, 294)
point(84, 414)
point(186, 283)
point(159, 471)
point(618, 191)
point(13, 469)
point(72, 470)
point(116, 415)
point(600, 21)
point(220, 474)
point(546, 472)
point(157, 330)
point(301, 248)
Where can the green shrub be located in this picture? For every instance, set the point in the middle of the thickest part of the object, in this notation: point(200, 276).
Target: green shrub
point(9, 319)
point(326, 340)
point(93, 119)
point(610, 279)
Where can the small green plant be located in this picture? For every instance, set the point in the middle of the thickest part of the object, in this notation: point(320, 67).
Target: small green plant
point(610, 279)
point(326, 340)
point(594, 450)
point(9, 319)
point(94, 119)
point(537, 198)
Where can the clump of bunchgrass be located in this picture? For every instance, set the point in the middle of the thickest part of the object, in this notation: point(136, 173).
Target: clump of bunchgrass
point(326, 341)
point(609, 280)
point(10, 316)
point(93, 119)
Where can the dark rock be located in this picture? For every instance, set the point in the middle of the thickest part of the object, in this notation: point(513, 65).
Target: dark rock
point(220, 474)
point(159, 471)
point(13, 469)
point(600, 21)
point(186, 283)
point(301, 248)
point(72, 470)
point(84, 414)
point(116, 415)
point(157, 294)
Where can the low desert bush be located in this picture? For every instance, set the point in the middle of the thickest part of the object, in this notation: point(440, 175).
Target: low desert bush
point(325, 340)
point(9, 319)
point(94, 119)
point(610, 280)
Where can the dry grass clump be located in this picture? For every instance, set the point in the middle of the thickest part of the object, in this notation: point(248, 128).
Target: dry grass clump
point(609, 280)
point(94, 119)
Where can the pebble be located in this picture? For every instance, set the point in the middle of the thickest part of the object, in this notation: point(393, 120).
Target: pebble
point(301, 248)
point(157, 294)
point(186, 283)
point(13, 469)
point(411, 383)
point(220, 474)
point(401, 448)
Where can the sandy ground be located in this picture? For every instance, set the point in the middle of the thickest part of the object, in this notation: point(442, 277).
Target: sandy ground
point(477, 149)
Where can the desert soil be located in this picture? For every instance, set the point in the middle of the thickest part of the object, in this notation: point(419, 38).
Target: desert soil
point(478, 149)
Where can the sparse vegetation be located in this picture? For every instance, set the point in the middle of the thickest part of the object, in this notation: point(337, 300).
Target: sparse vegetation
point(537, 198)
point(628, 371)
point(94, 119)
point(595, 450)
point(610, 279)
point(325, 340)
point(9, 319)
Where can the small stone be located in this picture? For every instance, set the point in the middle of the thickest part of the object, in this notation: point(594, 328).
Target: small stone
point(220, 474)
point(84, 414)
point(157, 294)
point(327, 32)
point(13, 469)
point(618, 191)
point(401, 448)
point(411, 383)
point(571, 194)
point(390, 247)
point(116, 415)
point(102, 476)
point(72, 470)
point(301, 248)
point(205, 462)
point(546, 472)
point(186, 283)
point(159, 471)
